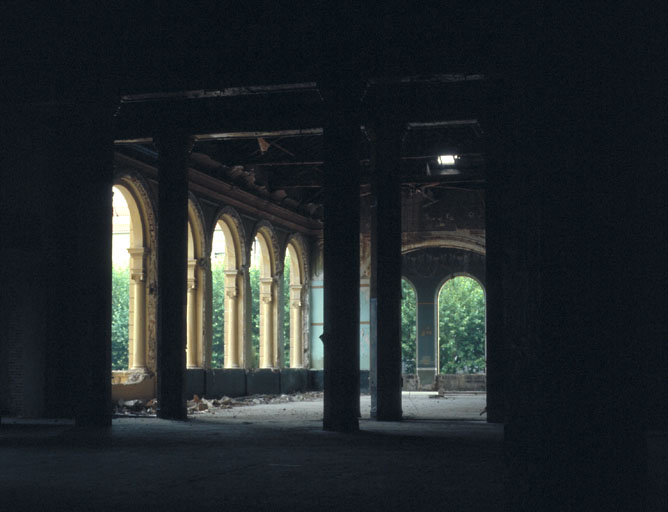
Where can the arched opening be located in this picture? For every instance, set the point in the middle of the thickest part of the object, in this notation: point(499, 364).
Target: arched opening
point(461, 326)
point(227, 291)
point(408, 327)
point(264, 301)
point(128, 327)
point(293, 305)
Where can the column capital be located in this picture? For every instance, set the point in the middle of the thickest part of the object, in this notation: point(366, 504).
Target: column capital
point(137, 277)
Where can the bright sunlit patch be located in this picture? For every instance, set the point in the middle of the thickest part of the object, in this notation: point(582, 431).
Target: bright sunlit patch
point(446, 159)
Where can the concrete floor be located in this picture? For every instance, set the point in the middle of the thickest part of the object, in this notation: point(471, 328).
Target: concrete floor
point(263, 457)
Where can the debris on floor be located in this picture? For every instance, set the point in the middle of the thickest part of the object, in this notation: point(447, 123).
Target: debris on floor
point(200, 405)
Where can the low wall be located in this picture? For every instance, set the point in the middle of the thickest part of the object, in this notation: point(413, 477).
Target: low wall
point(130, 385)
point(460, 382)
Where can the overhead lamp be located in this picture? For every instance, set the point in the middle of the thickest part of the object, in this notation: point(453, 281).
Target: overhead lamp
point(447, 159)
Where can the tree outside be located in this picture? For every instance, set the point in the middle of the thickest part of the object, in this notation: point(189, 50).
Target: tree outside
point(461, 326)
point(120, 301)
point(218, 312)
point(286, 310)
point(408, 327)
point(254, 273)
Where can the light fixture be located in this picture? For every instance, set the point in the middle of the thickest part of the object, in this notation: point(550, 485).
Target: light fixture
point(446, 159)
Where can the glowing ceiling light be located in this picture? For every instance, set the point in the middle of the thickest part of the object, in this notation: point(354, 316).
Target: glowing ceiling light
point(447, 159)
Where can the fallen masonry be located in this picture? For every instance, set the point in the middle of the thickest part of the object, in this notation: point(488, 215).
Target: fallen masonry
point(200, 405)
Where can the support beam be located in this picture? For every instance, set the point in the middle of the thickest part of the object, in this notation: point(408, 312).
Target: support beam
point(341, 262)
point(386, 268)
point(174, 149)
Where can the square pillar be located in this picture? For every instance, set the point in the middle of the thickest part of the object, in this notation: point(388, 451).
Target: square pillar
point(341, 262)
point(386, 270)
point(90, 143)
point(174, 149)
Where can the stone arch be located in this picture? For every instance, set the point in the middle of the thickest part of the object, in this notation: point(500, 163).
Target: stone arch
point(462, 242)
point(452, 275)
point(234, 289)
point(196, 284)
point(143, 273)
point(298, 297)
point(428, 268)
point(269, 270)
point(439, 289)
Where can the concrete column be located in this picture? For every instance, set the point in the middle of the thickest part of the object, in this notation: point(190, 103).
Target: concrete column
point(386, 268)
point(266, 326)
point(341, 261)
point(296, 344)
point(174, 149)
point(231, 321)
point(191, 342)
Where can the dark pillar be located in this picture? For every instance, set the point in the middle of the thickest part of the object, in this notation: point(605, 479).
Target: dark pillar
point(91, 140)
point(575, 407)
point(341, 261)
point(174, 149)
point(55, 203)
point(499, 188)
point(386, 270)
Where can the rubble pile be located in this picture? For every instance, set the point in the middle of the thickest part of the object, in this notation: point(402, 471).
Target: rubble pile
point(199, 405)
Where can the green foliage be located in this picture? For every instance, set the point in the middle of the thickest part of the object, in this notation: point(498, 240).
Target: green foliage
point(120, 301)
point(461, 325)
point(254, 273)
point(286, 310)
point(408, 326)
point(218, 313)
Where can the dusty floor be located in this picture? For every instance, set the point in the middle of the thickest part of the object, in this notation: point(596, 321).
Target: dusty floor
point(264, 457)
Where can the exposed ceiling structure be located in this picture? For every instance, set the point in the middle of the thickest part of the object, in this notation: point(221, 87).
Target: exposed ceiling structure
point(268, 140)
